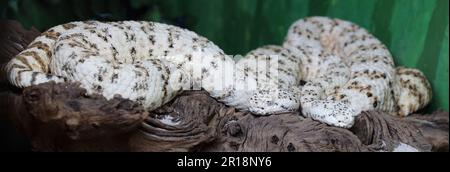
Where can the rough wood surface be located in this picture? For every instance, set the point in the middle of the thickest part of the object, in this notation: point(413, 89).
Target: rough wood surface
point(60, 117)
point(281, 133)
point(434, 128)
point(382, 132)
point(185, 124)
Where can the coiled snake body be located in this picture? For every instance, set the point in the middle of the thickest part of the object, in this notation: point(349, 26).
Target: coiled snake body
point(347, 70)
point(143, 61)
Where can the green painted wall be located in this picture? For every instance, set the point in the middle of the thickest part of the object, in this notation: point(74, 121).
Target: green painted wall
point(416, 31)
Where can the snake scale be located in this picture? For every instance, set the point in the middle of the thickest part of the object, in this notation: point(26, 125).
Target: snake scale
point(346, 69)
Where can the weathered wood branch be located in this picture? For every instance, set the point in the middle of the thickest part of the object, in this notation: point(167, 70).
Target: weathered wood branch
point(61, 117)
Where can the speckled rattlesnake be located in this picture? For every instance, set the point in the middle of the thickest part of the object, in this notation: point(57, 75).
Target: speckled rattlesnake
point(151, 63)
point(144, 61)
point(348, 71)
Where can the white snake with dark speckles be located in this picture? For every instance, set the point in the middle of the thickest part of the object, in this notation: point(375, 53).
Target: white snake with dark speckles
point(347, 70)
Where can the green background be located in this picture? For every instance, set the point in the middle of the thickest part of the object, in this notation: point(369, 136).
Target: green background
point(416, 31)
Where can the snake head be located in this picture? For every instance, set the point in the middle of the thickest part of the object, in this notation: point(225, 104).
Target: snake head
point(335, 113)
point(273, 101)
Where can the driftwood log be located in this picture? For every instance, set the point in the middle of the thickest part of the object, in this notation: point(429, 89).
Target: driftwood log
point(61, 117)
